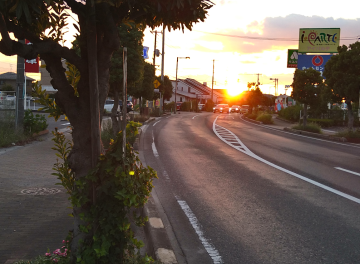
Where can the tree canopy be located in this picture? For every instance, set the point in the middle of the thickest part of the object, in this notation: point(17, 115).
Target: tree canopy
point(342, 74)
point(307, 86)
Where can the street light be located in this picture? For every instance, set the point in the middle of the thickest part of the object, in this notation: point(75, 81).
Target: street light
point(177, 61)
point(276, 84)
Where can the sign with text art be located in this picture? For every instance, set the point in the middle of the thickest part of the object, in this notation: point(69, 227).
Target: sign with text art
point(31, 65)
point(319, 40)
point(317, 62)
point(292, 58)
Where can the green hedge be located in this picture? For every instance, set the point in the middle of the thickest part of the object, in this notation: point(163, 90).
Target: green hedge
point(311, 127)
point(321, 122)
point(265, 118)
point(291, 113)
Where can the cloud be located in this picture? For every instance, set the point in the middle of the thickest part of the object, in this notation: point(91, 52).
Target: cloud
point(280, 27)
point(248, 62)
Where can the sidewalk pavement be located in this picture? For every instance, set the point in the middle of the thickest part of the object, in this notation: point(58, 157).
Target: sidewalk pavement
point(34, 212)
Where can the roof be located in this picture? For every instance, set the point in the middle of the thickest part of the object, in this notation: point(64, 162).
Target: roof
point(202, 87)
point(12, 76)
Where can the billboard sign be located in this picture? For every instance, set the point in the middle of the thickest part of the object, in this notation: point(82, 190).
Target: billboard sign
point(292, 58)
point(317, 62)
point(31, 65)
point(319, 40)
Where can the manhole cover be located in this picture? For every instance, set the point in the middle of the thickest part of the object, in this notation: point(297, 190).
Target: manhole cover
point(40, 191)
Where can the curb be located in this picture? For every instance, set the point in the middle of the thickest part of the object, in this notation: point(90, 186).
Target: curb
point(328, 137)
point(157, 242)
point(252, 121)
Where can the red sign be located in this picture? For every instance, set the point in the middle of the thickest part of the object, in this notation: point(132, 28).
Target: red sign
point(31, 65)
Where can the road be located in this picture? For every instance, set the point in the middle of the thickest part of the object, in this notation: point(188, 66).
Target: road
point(236, 192)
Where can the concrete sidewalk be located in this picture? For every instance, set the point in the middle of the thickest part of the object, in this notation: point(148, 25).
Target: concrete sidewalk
point(34, 212)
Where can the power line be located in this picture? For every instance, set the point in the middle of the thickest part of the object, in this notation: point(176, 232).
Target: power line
point(263, 38)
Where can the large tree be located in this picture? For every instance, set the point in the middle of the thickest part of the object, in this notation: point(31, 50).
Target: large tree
point(42, 23)
point(342, 74)
point(307, 86)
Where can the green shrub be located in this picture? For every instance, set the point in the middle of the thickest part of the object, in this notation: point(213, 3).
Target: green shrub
point(291, 113)
point(251, 115)
point(209, 105)
point(170, 106)
point(34, 124)
point(265, 118)
point(120, 185)
point(311, 127)
point(321, 122)
point(349, 133)
point(185, 106)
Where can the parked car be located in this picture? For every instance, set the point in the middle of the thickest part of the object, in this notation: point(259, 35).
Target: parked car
point(222, 108)
point(235, 109)
point(129, 107)
point(109, 104)
point(201, 107)
point(244, 109)
point(178, 106)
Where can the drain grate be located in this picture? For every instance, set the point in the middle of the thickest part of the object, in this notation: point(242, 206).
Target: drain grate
point(40, 191)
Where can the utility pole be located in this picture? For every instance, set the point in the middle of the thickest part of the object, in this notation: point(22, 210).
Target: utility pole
point(19, 116)
point(156, 32)
point(212, 83)
point(162, 65)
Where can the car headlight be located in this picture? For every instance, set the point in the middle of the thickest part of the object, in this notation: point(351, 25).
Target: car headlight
point(237, 109)
point(221, 108)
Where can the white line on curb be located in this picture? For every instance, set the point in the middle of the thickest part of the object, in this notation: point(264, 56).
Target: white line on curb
point(245, 150)
point(210, 249)
point(156, 153)
point(279, 130)
point(349, 171)
point(156, 122)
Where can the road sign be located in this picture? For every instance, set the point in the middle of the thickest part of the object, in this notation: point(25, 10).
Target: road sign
point(156, 91)
point(317, 62)
point(146, 52)
point(31, 65)
point(156, 84)
point(319, 40)
point(292, 58)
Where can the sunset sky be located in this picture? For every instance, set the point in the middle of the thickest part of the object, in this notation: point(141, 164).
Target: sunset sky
point(245, 51)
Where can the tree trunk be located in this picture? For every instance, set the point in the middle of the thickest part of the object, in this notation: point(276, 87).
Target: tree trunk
point(350, 115)
point(305, 116)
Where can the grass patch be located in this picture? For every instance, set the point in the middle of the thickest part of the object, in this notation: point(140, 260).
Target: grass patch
point(265, 118)
point(311, 127)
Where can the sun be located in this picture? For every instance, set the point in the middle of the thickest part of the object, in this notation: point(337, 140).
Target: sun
point(234, 91)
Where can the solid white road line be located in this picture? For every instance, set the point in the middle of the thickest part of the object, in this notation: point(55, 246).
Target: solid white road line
point(195, 116)
point(210, 249)
point(349, 171)
point(245, 150)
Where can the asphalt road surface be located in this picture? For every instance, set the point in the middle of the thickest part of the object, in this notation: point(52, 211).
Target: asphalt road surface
point(236, 192)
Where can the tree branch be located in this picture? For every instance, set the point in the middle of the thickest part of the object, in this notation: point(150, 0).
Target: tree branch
point(41, 46)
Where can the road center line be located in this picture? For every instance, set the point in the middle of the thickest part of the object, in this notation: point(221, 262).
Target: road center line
point(251, 154)
point(210, 249)
point(349, 171)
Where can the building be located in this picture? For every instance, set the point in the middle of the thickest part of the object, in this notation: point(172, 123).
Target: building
point(189, 89)
point(9, 78)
